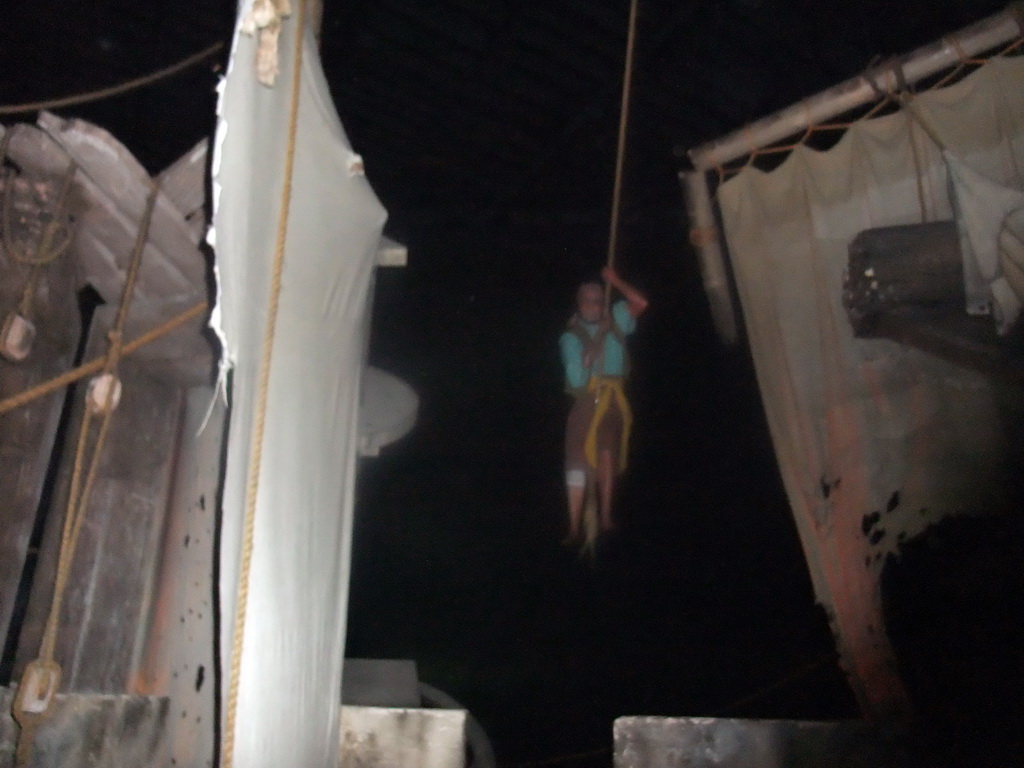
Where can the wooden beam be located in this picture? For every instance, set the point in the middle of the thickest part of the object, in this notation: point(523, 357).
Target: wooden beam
point(103, 623)
point(27, 436)
point(184, 183)
point(95, 730)
point(178, 654)
point(113, 188)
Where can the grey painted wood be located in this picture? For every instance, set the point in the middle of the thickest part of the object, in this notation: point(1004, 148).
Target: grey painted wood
point(104, 616)
point(27, 434)
point(179, 652)
point(93, 731)
point(111, 196)
point(184, 182)
point(706, 742)
point(382, 737)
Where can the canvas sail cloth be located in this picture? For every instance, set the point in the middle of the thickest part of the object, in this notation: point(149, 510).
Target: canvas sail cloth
point(870, 426)
point(290, 681)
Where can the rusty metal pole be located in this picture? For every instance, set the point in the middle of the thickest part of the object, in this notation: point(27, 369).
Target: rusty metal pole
point(856, 92)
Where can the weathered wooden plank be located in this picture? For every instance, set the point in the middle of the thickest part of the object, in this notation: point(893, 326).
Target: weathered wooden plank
point(380, 683)
point(705, 742)
point(27, 434)
point(380, 737)
point(93, 731)
point(112, 190)
point(115, 187)
point(184, 183)
point(179, 650)
point(102, 624)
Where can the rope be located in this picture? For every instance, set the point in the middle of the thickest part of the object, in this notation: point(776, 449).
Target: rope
point(259, 417)
point(605, 390)
point(96, 365)
point(27, 712)
point(46, 252)
point(114, 90)
point(918, 167)
point(613, 234)
point(590, 523)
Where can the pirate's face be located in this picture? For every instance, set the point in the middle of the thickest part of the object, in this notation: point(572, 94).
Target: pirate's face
point(590, 302)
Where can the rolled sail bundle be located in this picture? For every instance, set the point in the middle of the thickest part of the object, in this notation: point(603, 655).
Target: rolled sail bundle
point(914, 265)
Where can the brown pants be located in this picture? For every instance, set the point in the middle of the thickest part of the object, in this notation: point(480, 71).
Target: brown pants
point(609, 432)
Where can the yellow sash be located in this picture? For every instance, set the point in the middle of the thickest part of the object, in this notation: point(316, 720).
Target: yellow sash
point(604, 389)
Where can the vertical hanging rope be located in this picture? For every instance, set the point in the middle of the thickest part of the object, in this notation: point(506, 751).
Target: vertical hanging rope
point(627, 78)
point(590, 520)
point(259, 417)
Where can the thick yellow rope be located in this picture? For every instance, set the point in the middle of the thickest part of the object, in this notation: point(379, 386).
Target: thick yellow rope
point(259, 417)
point(96, 365)
point(29, 717)
point(605, 390)
point(114, 90)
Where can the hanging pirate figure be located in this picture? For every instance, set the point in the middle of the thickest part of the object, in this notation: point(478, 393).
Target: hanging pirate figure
point(593, 349)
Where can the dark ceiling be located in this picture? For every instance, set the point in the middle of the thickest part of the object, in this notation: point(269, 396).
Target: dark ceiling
point(484, 103)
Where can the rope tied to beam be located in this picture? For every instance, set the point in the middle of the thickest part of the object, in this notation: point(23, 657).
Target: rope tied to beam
point(897, 95)
point(96, 365)
point(902, 95)
point(17, 331)
point(41, 678)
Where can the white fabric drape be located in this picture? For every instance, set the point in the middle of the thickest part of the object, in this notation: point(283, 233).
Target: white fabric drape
point(861, 426)
point(290, 682)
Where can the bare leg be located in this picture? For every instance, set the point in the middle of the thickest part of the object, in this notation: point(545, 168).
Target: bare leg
point(576, 496)
point(606, 481)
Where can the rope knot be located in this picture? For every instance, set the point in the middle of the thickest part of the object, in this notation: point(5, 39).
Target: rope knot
point(33, 702)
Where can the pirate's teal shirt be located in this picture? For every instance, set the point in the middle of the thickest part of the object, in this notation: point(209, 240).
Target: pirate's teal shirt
point(614, 357)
